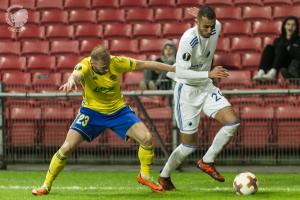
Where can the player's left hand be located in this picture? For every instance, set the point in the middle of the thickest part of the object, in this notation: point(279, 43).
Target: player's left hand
point(68, 86)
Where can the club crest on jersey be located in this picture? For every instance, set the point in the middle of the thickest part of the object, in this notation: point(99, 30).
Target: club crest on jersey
point(78, 67)
point(186, 56)
point(113, 77)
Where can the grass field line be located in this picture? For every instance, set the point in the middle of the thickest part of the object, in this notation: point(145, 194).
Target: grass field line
point(269, 189)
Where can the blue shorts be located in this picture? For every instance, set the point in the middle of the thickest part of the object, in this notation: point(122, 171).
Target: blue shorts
point(90, 123)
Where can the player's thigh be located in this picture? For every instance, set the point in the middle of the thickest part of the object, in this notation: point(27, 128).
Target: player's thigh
point(71, 142)
point(140, 133)
point(216, 105)
point(188, 103)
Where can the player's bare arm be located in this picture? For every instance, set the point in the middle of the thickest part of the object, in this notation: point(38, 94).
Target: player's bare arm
point(71, 84)
point(153, 65)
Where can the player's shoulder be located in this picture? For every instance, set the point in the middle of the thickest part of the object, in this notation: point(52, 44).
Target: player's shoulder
point(83, 63)
point(190, 37)
point(118, 60)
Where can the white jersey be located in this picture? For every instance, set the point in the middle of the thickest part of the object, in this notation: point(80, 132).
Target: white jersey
point(196, 53)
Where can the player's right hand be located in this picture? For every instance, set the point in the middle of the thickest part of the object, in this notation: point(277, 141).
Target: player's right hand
point(69, 86)
point(218, 72)
point(193, 11)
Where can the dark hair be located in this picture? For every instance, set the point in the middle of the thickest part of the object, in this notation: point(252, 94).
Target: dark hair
point(283, 31)
point(100, 52)
point(206, 11)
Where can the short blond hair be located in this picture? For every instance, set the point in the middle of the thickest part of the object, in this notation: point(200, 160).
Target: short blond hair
point(100, 52)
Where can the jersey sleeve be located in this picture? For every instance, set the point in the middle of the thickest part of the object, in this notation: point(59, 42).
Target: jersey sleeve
point(123, 64)
point(184, 53)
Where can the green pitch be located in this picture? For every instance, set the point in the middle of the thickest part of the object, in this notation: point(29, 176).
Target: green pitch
point(122, 185)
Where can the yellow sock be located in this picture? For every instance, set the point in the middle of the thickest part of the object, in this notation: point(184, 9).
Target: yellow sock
point(57, 164)
point(146, 155)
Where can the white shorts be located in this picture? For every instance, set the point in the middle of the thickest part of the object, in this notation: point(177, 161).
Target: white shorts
point(191, 100)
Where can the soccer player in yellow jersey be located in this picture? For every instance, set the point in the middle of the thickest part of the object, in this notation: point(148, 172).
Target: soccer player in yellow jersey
point(103, 107)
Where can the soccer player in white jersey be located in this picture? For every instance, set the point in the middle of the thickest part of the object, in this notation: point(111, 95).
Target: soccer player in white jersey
point(194, 92)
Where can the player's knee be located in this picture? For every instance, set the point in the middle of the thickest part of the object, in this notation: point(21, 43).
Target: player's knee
point(67, 148)
point(146, 139)
point(232, 128)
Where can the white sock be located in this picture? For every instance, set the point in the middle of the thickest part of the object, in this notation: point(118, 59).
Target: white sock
point(221, 139)
point(176, 158)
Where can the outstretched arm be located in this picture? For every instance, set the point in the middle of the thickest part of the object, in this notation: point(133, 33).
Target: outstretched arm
point(153, 65)
point(72, 83)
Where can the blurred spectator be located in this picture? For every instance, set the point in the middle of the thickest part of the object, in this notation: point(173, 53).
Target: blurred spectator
point(279, 55)
point(158, 80)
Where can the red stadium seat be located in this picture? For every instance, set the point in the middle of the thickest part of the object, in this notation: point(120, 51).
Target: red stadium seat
point(77, 4)
point(87, 45)
point(6, 34)
point(123, 46)
point(105, 4)
point(187, 17)
point(282, 12)
point(117, 31)
point(10, 48)
point(228, 13)
point(88, 31)
point(111, 16)
point(246, 44)
point(257, 13)
point(216, 3)
point(237, 79)
point(162, 119)
point(151, 45)
point(67, 63)
point(16, 81)
point(27, 4)
point(130, 3)
point(278, 2)
point(46, 4)
point(35, 47)
point(65, 47)
point(230, 60)
point(131, 80)
point(171, 30)
point(59, 32)
point(46, 81)
point(24, 126)
point(236, 28)
point(4, 5)
point(12, 63)
point(54, 17)
point(82, 16)
point(256, 126)
point(41, 63)
point(223, 45)
point(159, 3)
point(189, 3)
point(56, 125)
point(139, 15)
point(35, 32)
point(248, 3)
point(287, 127)
point(296, 2)
point(268, 40)
point(251, 61)
point(168, 14)
point(146, 30)
point(261, 28)
point(33, 17)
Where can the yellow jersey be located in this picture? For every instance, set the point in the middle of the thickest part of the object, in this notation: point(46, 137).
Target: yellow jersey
point(102, 93)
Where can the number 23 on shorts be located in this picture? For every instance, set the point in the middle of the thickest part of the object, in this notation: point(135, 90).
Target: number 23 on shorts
point(83, 119)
